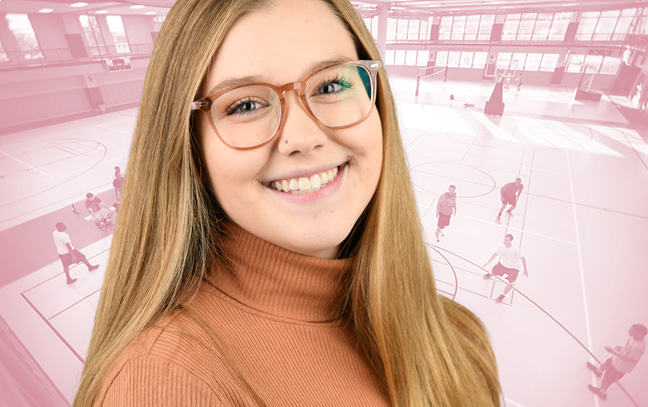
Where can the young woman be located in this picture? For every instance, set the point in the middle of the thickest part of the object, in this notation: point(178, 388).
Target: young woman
point(268, 250)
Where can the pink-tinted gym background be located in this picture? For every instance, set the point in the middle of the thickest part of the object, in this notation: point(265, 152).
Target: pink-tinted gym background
point(574, 128)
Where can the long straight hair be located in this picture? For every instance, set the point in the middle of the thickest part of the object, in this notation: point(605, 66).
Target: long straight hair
point(428, 350)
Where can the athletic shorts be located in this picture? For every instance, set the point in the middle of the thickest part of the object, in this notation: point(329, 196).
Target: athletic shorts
point(500, 270)
point(66, 258)
point(444, 220)
point(509, 199)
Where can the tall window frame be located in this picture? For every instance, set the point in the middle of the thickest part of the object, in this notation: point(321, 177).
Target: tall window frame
point(20, 25)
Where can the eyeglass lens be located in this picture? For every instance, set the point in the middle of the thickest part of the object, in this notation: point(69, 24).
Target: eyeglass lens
point(250, 115)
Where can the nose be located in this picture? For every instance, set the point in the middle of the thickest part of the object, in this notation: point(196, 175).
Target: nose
point(299, 132)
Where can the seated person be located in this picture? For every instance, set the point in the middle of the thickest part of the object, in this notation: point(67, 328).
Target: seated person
point(97, 209)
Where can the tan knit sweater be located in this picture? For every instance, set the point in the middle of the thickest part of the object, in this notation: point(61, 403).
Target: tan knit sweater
point(276, 315)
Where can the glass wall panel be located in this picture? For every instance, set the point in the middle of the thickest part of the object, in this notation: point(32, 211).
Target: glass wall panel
point(480, 60)
point(422, 58)
point(458, 27)
point(401, 29)
point(413, 30)
point(575, 63)
point(472, 26)
point(593, 63)
point(587, 25)
point(510, 28)
point(532, 62)
point(503, 60)
point(549, 62)
point(4, 57)
point(542, 27)
point(442, 58)
point(389, 57)
point(399, 58)
point(93, 35)
point(445, 28)
point(22, 30)
point(391, 29)
point(622, 27)
point(485, 27)
point(559, 26)
point(410, 57)
point(606, 24)
point(453, 58)
point(525, 29)
point(610, 65)
point(466, 60)
point(116, 27)
point(517, 61)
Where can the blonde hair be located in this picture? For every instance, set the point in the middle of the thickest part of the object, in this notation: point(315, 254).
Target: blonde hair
point(430, 351)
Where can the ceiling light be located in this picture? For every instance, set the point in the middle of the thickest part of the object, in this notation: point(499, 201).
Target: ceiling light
point(137, 6)
point(101, 12)
point(150, 13)
point(46, 10)
point(79, 4)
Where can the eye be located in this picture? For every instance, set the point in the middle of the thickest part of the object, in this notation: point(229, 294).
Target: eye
point(246, 106)
point(333, 86)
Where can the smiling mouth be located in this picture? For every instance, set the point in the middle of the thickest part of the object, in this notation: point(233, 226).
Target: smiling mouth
point(306, 185)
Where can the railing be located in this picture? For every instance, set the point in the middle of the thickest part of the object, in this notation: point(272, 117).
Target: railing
point(59, 56)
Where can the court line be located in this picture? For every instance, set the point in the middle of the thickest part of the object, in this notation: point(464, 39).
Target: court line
point(72, 305)
point(635, 150)
point(588, 327)
point(564, 328)
point(27, 165)
point(56, 332)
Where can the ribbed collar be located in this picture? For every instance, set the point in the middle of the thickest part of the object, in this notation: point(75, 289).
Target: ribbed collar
point(278, 282)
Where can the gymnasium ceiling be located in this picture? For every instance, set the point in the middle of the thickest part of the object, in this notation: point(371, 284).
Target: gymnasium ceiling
point(400, 7)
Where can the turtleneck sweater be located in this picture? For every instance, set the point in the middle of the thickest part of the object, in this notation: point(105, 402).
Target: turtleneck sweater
point(269, 320)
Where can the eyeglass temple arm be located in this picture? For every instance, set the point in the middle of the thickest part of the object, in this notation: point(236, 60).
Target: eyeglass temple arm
point(202, 104)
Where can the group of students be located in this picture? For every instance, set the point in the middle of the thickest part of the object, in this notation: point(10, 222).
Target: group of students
point(509, 256)
point(623, 359)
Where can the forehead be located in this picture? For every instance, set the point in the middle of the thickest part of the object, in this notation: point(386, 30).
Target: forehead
point(281, 43)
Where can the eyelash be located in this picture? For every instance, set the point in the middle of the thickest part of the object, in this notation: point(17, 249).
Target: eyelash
point(237, 105)
point(345, 83)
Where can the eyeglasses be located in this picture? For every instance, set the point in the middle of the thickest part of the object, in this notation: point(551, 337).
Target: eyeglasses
point(248, 116)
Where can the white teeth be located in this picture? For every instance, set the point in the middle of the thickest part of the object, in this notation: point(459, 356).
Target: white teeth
point(304, 185)
point(315, 181)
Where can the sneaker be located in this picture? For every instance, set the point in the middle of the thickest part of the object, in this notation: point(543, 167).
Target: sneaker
point(498, 220)
point(93, 267)
point(499, 299)
point(71, 280)
point(597, 391)
point(594, 369)
point(509, 213)
point(488, 276)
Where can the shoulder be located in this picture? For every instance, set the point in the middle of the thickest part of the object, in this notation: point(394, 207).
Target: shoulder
point(173, 363)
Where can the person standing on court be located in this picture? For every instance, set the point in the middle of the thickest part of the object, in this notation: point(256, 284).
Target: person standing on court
point(508, 264)
point(118, 182)
point(510, 194)
point(446, 207)
point(623, 360)
point(67, 253)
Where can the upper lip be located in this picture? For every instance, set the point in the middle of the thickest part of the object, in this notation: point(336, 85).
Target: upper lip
point(304, 173)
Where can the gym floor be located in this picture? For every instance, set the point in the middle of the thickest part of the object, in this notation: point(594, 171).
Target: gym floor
point(581, 223)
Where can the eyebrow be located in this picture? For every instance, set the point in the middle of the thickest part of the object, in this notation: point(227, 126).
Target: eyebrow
point(232, 82)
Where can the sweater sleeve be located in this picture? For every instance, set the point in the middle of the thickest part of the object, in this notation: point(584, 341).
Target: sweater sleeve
point(157, 382)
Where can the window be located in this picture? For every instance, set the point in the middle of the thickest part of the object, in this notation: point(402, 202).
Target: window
point(593, 63)
point(532, 62)
point(458, 27)
point(525, 29)
point(410, 58)
point(445, 28)
point(542, 27)
point(22, 30)
point(549, 62)
point(606, 24)
point(93, 34)
point(413, 30)
point(510, 28)
point(503, 60)
point(399, 58)
point(391, 29)
point(559, 26)
point(401, 29)
point(587, 25)
point(116, 27)
point(479, 61)
point(610, 65)
point(485, 27)
point(453, 59)
point(442, 58)
point(575, 63)
point(466, 60)
point(623, 25)
point(422, 58)
point(518, 60)
point(389, 57)
point(472, 26)
point(4, 57)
